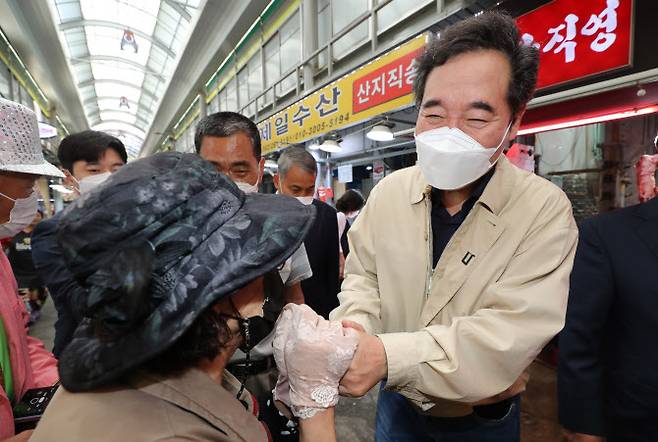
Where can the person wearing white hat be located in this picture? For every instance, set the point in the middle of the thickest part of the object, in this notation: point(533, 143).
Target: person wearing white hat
point(24, 362)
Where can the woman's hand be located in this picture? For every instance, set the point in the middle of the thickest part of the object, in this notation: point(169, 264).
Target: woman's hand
point(312, 354)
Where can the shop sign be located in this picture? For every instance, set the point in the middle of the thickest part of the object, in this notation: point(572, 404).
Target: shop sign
point(380, 86)
point(46, 130)
point(580, 38)
point(391, 81)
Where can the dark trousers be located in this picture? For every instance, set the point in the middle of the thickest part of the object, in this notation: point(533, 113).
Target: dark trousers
point(632, 430)
point(398, 421)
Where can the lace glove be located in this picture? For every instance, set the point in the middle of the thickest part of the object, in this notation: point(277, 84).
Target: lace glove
point(312, 354)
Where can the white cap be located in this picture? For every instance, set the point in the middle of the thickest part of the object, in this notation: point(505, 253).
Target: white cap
point(20, 145)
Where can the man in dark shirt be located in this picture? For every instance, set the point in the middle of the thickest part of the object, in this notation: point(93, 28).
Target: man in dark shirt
point(20, 257)
point(88, 157)
point(296, 176)
point(30, 285)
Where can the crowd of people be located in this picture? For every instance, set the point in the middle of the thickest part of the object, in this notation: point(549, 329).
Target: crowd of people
point(192, 307)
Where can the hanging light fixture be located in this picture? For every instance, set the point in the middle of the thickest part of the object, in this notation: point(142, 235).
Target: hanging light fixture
point(380, 132)
point(331, 146)
point(314, 146)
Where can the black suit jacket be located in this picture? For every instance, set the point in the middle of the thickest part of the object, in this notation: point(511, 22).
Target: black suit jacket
point(321, 290)
point(608, 370)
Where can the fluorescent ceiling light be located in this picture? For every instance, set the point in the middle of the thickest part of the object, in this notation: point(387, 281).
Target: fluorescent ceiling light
point(380, 133)
point(330, 146)
point(590, 120)
point(271, 164)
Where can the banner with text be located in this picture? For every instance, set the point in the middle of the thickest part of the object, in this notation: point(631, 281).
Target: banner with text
point(579, 38)
point(383, 85)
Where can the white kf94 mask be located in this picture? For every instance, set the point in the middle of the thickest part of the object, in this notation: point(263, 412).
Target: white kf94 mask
point(450, 159)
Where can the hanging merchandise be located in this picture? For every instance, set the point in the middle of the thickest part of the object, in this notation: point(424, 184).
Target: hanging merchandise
point(378, 171)
point(129, 39)
point(522, 156)
point(646, 177)
point(325, 194)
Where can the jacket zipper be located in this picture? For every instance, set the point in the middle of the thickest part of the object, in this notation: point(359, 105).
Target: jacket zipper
point(430, 240)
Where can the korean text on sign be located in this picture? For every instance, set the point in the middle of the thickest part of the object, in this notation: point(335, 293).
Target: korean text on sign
point(576, 39)
point(387, 83)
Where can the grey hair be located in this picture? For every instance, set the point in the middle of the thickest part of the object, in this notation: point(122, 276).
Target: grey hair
point(225, 124)
point(297, 156)
point(490, 30)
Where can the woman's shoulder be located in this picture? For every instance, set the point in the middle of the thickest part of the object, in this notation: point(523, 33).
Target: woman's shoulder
point(104, 414)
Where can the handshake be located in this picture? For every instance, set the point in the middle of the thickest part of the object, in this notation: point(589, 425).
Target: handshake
point(312, 355)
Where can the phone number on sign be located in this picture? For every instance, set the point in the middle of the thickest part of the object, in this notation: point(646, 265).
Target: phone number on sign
point(316, 129)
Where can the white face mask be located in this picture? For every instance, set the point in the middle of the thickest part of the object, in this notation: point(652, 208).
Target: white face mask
point(21, 215)
point(246, 187)
point(89, 183)
point(305, 200)
point(450, 159)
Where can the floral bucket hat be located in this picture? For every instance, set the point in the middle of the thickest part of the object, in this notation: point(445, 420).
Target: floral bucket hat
point(161, 240)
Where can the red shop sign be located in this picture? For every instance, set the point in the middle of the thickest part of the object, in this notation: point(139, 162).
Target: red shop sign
point(578, 38)
point(391, 81)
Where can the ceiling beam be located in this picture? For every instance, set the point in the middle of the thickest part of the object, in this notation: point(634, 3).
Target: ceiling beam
point(93, 100)
point(180, 9)
point(114, 59)
point(138, 117)
point(118, 83)
point(141, 109)
point(99, 121)
point(110, 24)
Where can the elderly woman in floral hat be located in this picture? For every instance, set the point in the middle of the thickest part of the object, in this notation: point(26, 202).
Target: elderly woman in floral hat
point(181, 270)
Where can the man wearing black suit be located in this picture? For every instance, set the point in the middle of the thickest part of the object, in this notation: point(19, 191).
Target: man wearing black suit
point(297, 171)
point(608, 370)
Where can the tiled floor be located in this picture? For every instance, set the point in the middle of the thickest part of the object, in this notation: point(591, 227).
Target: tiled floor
point(355, 418)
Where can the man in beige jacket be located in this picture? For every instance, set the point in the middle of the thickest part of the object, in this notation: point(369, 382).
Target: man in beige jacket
point(459, 267)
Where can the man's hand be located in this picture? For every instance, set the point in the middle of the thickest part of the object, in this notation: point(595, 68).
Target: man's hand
point(517, 387)
point(368, 366)
point(570, 436)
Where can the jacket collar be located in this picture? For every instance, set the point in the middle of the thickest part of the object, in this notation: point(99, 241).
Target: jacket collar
point(196, 392)
point(495, 195)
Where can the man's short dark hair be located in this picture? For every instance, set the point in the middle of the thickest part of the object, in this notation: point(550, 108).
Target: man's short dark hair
point(490, 30)
point(225, 124)
point(89, 146)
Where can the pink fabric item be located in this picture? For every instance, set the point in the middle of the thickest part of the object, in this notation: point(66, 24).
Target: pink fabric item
point(646, 177)
point(32, 365)
point(312, 355)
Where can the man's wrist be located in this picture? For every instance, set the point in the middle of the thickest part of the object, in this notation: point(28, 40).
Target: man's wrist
point(383, 361)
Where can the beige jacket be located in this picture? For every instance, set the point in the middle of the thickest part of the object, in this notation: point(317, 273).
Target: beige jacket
point(151, 408)
point(467, 329)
